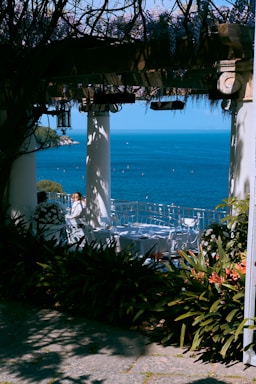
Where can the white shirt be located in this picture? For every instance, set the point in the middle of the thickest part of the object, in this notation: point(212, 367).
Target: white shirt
point(77, 210)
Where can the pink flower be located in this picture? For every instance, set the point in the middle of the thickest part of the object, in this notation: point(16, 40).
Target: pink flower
point(197, 275)
point(214, 278)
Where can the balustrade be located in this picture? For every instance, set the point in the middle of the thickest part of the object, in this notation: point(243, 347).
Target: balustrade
point(135, 212)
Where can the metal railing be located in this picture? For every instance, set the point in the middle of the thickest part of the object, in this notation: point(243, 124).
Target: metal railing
point(63, 199)
point(135, 212)
point(131, 212)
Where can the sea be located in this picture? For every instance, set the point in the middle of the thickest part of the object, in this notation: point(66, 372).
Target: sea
point(188, 168)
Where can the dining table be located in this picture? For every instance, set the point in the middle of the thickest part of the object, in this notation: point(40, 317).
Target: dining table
point(141, 239)
point(149, 238)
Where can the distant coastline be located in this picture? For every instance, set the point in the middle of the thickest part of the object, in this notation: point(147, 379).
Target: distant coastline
point(67, 140)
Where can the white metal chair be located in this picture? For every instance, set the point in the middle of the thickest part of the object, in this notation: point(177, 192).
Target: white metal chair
point(75, 230)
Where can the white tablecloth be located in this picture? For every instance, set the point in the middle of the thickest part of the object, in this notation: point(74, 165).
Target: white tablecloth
point(142, 239)
point(153, 238)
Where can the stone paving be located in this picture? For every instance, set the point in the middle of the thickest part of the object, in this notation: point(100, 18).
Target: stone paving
point(46, 347)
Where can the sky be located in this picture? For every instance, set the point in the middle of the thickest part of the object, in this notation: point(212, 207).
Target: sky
point(167, 4)
point(196, 115)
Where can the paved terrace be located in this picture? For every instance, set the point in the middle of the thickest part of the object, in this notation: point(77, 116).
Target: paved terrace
point(41, 346)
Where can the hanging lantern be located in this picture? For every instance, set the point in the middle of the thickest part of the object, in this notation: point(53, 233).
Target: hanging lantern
point(63, 116)
point(167, 105)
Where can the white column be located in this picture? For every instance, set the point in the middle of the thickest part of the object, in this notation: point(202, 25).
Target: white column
point(22, 186)
point(240, 149)
point(98, 177)
point(243, 176)
point(236, 77)
point(249, 356)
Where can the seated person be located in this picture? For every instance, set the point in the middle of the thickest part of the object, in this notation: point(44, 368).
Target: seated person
point(78, 206)
point(41, 197)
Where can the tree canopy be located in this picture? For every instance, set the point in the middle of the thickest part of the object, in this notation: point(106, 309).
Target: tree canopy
point(49, 186)
point(46, 137)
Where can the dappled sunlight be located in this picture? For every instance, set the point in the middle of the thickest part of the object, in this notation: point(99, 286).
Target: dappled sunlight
point(38, 344)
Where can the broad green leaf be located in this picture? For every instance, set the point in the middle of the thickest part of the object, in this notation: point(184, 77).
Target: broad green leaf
point(175, 302)
point(206, 322)
point(45, 266)
point(240, 328)
point(190, 294)
point(196, 340)
point(202, 298)
point(216, 305)
point(230, 316)
point(210, 328)
point(215, 328)
point(182, 334)
point(226, 346)
point(198, 319)
point(229, 286)
point(216, 337)
point(226, 329)
point(186, 315)
point(138, 314)
point(191, 260)
point(238, 295)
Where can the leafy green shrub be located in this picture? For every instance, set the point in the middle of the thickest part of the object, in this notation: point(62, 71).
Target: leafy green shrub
point(92, 280)
point(199, 305)
point(47, 137)
point(212, 302)
point(208, 312)
point(237, 223)
point(20, 252)
point(49, 186)
point(99, 283)
point(210, 238)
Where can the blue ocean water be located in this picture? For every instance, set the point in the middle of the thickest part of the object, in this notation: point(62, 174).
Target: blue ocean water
point(186, 168)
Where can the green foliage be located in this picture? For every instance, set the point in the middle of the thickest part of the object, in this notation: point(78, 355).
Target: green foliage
point(209, 310)
point(20, 251)
point(232, 232)
point(237, 223)
point(99, 283)
point(94, 280)
point(49, 186)
point(210, 238)
point(211, 302)
point(200, 305)
point(47, 137)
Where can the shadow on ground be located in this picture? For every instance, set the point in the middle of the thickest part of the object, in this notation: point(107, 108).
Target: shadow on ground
point(207, 381)
point(35, 343)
